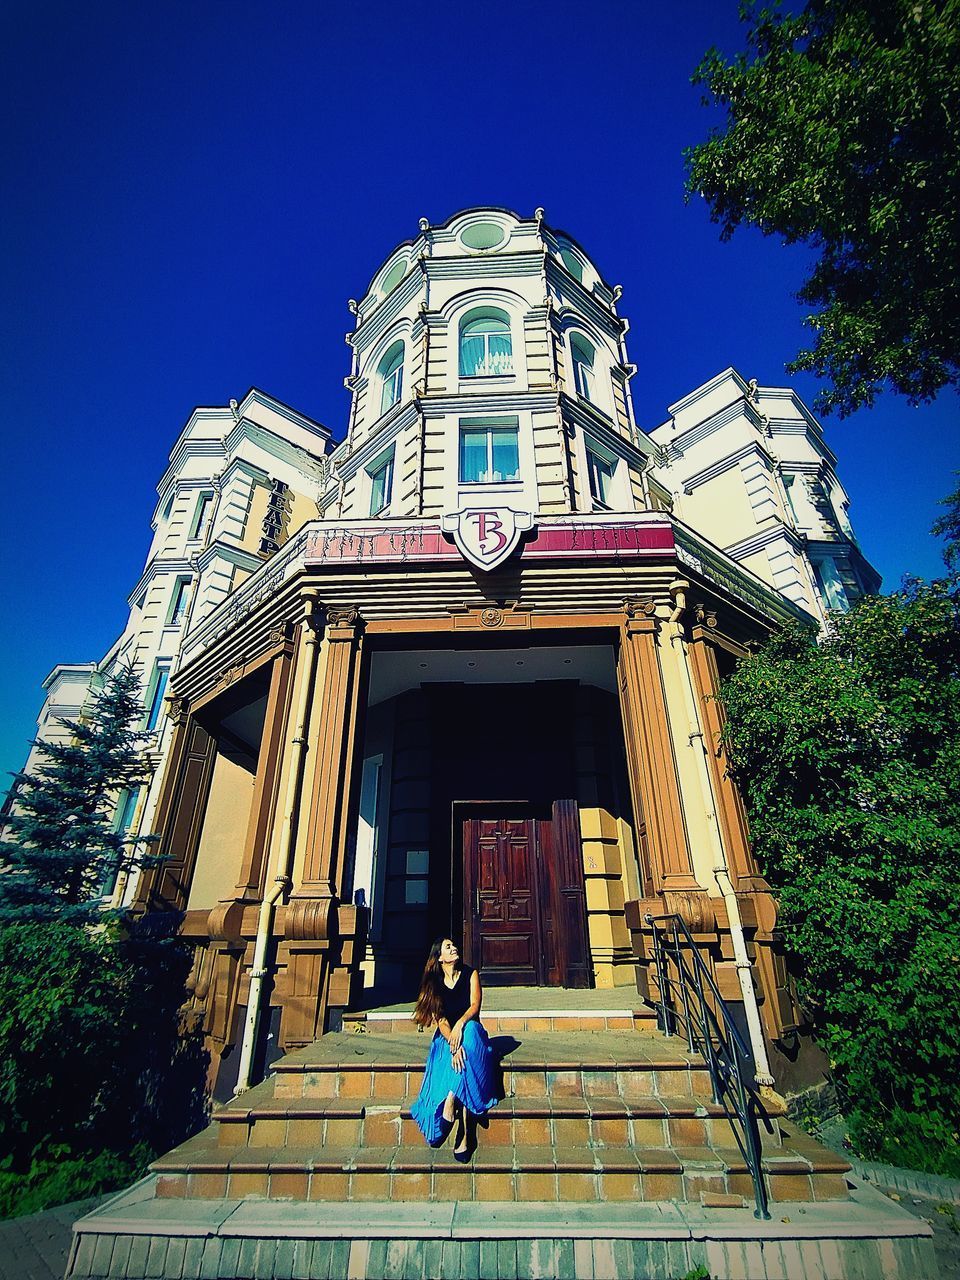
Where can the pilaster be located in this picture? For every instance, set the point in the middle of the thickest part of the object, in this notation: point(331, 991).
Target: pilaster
point(650, 759)
point(318, 930)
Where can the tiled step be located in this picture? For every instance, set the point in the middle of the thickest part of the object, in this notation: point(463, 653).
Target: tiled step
point(594, 1121)
point(604, 1063)
point(201, 1170)
point(509, 1021)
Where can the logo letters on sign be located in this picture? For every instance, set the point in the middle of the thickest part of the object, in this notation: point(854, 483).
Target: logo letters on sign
point(486, 536)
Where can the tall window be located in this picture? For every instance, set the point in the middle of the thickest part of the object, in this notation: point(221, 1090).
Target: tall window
point(486, 348)
point(391, 377)
point(178, 605)
point(160, 679)
point(381, 482)
point(124, 822)
point(583, 353)
point(601, 474)
point(830, 584)
point(202, 517)
point(489, 453)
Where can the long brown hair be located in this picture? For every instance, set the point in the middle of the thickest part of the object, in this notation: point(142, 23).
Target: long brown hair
point(429, 1006)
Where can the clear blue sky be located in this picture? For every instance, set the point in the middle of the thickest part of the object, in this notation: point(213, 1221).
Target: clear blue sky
point(192, 192)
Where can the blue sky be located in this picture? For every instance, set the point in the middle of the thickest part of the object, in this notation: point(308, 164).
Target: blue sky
point(193, 191)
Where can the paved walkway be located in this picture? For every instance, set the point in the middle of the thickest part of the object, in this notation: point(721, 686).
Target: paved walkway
point(35, 1247)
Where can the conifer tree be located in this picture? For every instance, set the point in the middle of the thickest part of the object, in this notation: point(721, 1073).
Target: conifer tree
point(60, 845)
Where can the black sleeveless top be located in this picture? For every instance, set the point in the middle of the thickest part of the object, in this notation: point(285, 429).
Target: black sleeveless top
point(456, 999)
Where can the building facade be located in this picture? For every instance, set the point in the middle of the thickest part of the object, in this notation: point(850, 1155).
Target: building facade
point(457, 672)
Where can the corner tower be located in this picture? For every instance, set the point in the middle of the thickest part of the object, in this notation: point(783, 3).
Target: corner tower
point(489, 367)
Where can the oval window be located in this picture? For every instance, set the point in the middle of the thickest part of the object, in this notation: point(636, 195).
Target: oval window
point(394, 276)
point(483, 235)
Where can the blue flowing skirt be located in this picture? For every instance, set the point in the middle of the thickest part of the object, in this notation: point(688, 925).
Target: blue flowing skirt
point(473, 1085)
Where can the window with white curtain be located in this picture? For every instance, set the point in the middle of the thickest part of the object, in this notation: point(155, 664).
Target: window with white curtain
point(489, 451)
point(486, 346)
point(158, 692)
point(391, 376)
point(583, 353)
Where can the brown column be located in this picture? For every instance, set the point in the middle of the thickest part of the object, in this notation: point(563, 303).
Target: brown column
point(179, 820)
point(653, 776)
point(312, 927)
point(225, 922)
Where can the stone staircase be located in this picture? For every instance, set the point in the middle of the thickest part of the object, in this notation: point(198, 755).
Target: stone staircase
point(600, 1114)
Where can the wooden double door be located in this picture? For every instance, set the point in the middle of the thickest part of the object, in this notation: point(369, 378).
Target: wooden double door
point(524, 903)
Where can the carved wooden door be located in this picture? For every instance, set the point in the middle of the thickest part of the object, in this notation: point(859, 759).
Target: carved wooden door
point(503, 901)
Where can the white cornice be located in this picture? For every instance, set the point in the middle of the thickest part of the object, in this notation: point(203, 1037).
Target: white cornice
point(372, 327)
point(376, 443)
point(256, 396)
point(776, 532)
point(727, 463)
point(157, 567)
point(293, 454)
point(220, 550)
point(473, 403)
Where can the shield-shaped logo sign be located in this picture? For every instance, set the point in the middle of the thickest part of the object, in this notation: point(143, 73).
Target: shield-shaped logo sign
point(486, 536)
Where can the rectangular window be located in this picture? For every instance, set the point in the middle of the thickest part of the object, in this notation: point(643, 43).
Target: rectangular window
point(601, 474)
point(788, 482)
point(381, 482)
point(178, 605)
point(124, 821)
point(489, 451)
point(830, 585)
point(202, 516)
point(159, 692)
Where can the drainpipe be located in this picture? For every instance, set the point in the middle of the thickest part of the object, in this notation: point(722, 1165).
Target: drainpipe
point(284, 864)
point(764, 1078)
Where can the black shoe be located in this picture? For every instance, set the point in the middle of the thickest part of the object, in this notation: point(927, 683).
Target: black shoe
point(445, 1127)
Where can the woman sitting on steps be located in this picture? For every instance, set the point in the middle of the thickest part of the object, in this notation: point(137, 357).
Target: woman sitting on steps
point(458, 1077)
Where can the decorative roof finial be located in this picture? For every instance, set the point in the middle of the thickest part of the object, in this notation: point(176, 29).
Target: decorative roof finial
point(538, 215)
point(235, 410)
point(424, 224)
point(352, 306)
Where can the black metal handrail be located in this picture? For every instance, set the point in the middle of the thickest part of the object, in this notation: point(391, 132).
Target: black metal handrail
point(710, 1031)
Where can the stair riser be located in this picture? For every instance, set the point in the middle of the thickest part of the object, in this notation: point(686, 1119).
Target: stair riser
point(387, 1128)
point(496, 1024)
point(459, 1184)
point(393, 1086)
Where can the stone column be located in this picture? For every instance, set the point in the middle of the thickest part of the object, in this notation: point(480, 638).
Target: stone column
point(315, 924)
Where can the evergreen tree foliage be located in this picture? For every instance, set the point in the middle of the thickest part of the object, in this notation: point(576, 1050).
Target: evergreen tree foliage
point(61, 846)
point(847, 753)
point(98, 1073)
point(843, 132)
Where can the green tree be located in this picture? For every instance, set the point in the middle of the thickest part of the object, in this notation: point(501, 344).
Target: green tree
point(95, 1075)
point(848, 756)
point(61, 845)
point(843, 132)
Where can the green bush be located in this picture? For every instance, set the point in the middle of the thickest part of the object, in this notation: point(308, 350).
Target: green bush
point(848, 756)
point(95, 1077)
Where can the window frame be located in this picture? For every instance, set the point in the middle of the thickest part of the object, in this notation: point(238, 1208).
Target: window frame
point(158, 692)
point(179, 602)
point(489, 426)
point(598, 462)
point(490, 315)
point(583, 353)
point(383, 466)
point(390, 371)
point(202, 516)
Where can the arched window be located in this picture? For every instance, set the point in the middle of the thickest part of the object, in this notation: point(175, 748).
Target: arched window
point(486, 348)
point(583, 353)
point(391, 376)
